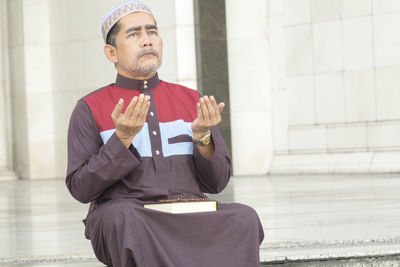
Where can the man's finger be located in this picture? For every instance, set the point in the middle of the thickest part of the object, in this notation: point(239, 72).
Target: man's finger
point(144, 110)
point(221, 106)
point(214, 105)
point(199, 112)
point(204, 109)
point(117, 109)
point(136, 110)
point(210, 108)
point(130, 108)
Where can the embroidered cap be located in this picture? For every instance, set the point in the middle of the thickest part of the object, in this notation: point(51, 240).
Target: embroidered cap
point(118, 12)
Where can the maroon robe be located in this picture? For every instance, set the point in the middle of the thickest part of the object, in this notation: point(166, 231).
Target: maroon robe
point(161, 163)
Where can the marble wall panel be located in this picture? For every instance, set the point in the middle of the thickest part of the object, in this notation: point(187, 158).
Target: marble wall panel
point(388, 93)
point(252, 142)
point(308, 139)
point(275, 8)
point(168, 70)
point(4, 160)
point(249, 91)
point(298, 50)
point(329, 96)
point(68, 64)
point(327, 46)
point(324, 163)
point(17, 65)
point(384, 136)
point(184, 12)
point(164, 11)
point(347, 138)
point(358, 43)
point(302, 164)
point(5, 155)
point(255, 27)
point(385, 6)
point(36, 22)
point(42, 160)
point(297, 11)
point(20, 145)
point(301, 100)
point(359, 90)
point(276, 52)
point(59, 15)
point(384, 162)
point(40, 117)
point(280, 121)
point(355, 162)
point(60, 158)
point(355, 8)
point(387, 39)
point(63, 104)
point(325, 10)
point(340, 72)
point(84, 23)
point(97, 70)
point(15, 20)
point(186, 53)
point(38, 69)
point(249, 86)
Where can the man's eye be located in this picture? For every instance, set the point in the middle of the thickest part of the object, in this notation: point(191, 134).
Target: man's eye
point(133, 34)
point(152, 32)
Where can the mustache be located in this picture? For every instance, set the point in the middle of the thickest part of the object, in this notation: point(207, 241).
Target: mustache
point(148, 51)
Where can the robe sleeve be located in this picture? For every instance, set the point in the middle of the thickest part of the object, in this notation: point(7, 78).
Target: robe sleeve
point(213, 174)
point(92, 165)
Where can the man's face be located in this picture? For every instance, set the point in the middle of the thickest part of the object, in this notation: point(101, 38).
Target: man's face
point(138, 46)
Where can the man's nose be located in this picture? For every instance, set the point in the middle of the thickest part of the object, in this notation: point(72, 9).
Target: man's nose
point(146, 41)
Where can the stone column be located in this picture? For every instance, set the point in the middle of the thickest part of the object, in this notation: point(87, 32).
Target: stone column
point(212, 57)
point(249, 86)
point(31, 86)
point(6, 172)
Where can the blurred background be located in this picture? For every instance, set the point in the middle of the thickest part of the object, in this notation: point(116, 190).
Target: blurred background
point(311, 86)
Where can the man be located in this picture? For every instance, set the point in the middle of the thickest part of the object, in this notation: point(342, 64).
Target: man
point(141, 140)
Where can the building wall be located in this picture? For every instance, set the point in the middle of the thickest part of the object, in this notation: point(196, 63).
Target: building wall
point(335, 69)
point(56, 57)
point(313, 83)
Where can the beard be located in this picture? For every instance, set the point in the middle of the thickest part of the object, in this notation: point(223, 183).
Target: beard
point(145, 68)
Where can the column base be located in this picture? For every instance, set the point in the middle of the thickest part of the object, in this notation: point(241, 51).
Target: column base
point(7, 175)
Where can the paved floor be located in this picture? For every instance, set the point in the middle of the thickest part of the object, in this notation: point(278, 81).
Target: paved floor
point(304, 217)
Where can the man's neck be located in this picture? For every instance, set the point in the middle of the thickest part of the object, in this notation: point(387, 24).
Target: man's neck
point(136, 77)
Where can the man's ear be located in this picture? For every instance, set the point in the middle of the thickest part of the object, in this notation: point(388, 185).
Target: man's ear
point(111, 53)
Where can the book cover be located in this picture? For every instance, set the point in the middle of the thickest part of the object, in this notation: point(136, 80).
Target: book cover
point(184, 205)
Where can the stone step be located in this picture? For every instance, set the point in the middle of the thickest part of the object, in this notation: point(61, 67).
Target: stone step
point(378, 261)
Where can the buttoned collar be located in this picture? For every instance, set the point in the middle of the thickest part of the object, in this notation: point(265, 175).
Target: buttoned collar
point(141, 85)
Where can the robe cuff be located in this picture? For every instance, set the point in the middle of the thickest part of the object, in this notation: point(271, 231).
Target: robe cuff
point(127, 158)
point(219, 154)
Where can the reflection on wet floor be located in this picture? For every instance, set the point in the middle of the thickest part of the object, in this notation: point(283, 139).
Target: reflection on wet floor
point(303, 217)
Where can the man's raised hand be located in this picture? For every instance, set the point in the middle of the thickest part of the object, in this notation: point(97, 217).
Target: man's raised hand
point(208, 115)
point(132, 121)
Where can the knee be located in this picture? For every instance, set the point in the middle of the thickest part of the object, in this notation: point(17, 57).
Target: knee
point(248, 221)
point(248, 215)
point(117, 216)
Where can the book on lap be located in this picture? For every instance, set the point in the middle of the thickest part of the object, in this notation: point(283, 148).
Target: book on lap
point(182, 205)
